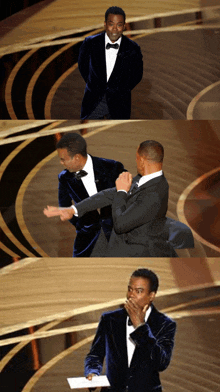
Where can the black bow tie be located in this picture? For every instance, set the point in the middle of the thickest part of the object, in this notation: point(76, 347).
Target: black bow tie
point(115, 46)
point(80, 174)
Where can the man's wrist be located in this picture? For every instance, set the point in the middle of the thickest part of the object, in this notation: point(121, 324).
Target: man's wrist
point(140, 325)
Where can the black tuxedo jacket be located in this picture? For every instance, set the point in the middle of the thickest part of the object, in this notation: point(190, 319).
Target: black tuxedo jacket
point(88, 227)
point(139, 219)
point(154, 344)
point(127, 73)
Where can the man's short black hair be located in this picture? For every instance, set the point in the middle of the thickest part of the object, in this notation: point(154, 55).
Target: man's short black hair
point(147, 274)
point(115, 11)
point(74, 143)
point(152, 150)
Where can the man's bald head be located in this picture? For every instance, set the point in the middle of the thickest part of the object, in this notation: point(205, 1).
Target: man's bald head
point(151, 150)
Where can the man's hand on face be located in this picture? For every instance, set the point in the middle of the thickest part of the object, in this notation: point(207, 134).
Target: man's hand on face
point(124, 181)
point(135, 312)
point(64, 213)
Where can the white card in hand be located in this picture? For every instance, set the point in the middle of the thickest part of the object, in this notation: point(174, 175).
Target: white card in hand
point(82, 382)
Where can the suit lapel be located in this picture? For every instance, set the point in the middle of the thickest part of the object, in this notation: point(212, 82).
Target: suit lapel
point(118, 331)
point(100, 57)
point(101, 176)
point(119, 59)
point(134, 186)
point(144, 186)
point(153, 321)
point(77, 188)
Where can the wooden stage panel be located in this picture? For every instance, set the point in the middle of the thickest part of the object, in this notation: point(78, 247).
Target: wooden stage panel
point(47, 288)
point(34, 291)
point(64, 15)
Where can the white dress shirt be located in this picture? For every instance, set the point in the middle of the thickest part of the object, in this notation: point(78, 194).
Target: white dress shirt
point(110, 56)
point(88, 180)
point(130, 343)
point(149, 177)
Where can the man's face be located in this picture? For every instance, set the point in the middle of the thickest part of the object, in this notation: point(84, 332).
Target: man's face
point(114, 26)
point(139, 291)
point(71, 164)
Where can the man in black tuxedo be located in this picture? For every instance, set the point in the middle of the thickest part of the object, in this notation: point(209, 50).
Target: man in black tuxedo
point(84, 176)
point(111, 65)
point(139, 208)
point(137, 341)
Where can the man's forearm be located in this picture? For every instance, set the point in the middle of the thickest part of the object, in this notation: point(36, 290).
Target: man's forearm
point(99, 200)
point(105, 197)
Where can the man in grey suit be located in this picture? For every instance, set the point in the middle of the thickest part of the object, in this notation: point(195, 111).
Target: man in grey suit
point(139, 207)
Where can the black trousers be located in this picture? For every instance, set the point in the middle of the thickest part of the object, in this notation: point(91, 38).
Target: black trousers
point(101, 111)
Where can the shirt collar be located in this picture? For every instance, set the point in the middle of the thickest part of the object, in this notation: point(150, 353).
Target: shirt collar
point(149, 177)
point(147, 314)
point(88, 167)
point(107, 40)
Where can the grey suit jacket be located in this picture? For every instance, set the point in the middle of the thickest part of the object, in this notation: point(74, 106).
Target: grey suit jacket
point(139, 219)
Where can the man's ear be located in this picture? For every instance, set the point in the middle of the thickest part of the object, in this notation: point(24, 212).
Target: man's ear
point(152, 295)
point(143, 160)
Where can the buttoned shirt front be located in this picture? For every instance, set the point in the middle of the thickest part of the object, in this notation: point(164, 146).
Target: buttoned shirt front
point(89, 179)
point(110, 55)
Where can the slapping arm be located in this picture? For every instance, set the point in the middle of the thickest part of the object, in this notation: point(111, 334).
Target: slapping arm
point(99, 200)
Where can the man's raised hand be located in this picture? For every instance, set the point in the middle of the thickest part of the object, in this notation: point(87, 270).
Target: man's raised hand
point(135, 312)
point(124, 181)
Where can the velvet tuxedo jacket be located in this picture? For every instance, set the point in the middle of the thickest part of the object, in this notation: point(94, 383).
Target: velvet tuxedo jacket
point(154, 344)
point(88, 227)
point(139, 219)
point(127, 73)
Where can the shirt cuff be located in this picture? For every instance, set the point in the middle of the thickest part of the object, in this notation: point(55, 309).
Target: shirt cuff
point(75, 210)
